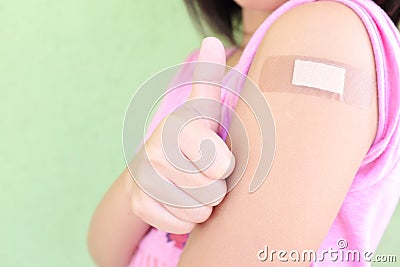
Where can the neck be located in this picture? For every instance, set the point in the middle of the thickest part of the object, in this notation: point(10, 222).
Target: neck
point(251, 20)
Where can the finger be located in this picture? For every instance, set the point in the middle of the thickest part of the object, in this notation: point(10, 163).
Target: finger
point(150, 177)
point(208, 74)
point(154, 214)
point(184, 178)
point(192, 147)
point(206, 191)
point(211, 51)
point(215, 160)
point(193, 215)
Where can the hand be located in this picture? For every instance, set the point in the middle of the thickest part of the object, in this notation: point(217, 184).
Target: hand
point(151, 160)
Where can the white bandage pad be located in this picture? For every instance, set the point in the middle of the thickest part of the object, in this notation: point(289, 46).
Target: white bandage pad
point(319, 75)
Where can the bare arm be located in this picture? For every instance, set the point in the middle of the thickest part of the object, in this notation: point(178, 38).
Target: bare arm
point(126, 211)
point(115, 231)
point(320, 145)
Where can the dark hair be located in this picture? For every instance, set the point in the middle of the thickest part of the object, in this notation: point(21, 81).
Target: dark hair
point(224, 16)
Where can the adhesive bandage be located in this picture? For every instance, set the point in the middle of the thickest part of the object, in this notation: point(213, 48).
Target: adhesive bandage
point(319, 77)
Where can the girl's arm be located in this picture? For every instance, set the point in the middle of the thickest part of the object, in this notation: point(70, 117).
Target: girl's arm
point(320, 144)
point(119, 221)
point(115, 231)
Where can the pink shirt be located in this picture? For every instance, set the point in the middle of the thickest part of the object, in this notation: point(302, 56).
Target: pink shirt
point(375, 190)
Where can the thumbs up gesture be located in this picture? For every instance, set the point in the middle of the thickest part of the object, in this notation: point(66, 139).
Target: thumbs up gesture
point(181, 169)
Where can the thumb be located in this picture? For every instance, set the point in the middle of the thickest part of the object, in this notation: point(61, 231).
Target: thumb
point(210, 69)
point(198, 119)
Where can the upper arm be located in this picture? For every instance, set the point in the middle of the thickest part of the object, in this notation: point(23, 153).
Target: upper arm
point(320, 144)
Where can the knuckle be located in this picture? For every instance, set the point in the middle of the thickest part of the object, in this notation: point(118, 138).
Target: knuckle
point(138, 205)
point(202, 214)
point(219, 192)
point(224, 166)
point(182, 228)
point(137, 209)
point(213, 193)
point(154, 153)
point(191, 215)
point(221, 188)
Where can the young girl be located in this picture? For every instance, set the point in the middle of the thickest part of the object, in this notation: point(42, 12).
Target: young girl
point(335, 179)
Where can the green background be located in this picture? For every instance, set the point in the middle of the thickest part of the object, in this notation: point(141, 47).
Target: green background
point(67, 72)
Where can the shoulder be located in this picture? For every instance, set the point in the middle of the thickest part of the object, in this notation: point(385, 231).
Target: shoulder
point(324, 29)
point(329, 32)
point(320, 144)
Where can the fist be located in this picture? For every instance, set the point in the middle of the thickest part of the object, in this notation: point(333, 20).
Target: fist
point(180, 171)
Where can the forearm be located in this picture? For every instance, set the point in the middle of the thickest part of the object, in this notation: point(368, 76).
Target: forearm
point(115, 231)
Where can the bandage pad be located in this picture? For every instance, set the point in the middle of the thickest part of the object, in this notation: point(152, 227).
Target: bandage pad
point(318, 77)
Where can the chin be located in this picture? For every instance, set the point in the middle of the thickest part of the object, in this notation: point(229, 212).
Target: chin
point(262, 5)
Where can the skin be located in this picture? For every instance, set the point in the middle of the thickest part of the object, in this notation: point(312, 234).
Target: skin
point(126, 211)
point(284, 212)
point(298, 202)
